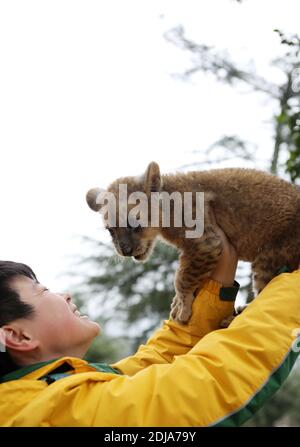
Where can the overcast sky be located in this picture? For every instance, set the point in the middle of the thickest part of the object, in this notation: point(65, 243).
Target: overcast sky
point(87, 95)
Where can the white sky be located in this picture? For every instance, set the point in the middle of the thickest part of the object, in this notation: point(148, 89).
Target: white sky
point(86, 96)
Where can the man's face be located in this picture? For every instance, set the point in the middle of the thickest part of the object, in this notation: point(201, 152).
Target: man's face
point(56, 324)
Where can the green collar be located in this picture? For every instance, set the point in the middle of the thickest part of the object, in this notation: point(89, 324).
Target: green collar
point(21, 372)
point(103, 367)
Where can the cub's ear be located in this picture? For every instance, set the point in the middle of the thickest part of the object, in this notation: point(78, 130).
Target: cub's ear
point(94, 198)
point(152, 178)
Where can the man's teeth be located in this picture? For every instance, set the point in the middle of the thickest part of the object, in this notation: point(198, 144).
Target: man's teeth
point(78, 314)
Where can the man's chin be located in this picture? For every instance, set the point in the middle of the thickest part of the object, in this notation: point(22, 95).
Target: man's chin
point(97, 327)
point(92, 324)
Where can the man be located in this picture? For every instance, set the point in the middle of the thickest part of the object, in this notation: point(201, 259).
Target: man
point(186, 375)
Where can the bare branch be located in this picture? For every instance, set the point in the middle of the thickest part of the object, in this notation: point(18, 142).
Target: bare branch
point(219, 63)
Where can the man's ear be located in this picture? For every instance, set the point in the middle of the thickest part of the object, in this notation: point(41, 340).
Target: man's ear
point(17, 339)
point(95, 198)
point(152, 178)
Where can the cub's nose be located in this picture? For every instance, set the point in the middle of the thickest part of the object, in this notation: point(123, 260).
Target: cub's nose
point(127, 251)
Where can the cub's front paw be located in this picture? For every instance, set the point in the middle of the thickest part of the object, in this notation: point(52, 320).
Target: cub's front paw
point(175, 307)
point(181, 308)
point(184, 314)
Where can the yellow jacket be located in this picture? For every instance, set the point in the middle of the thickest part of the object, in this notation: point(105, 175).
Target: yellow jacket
point(191, 375)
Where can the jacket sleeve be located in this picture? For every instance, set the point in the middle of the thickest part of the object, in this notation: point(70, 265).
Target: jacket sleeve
point(225, 377)
point(174, 339)
point(222, 380)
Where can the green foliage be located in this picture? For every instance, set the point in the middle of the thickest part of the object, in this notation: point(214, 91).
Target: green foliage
point(289, 118)
point(283, 407)
point(292, 123)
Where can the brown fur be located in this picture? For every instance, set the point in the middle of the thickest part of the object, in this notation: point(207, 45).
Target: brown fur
point(259, 212)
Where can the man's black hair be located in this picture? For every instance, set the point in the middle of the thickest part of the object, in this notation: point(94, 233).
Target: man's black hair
point(11, 305)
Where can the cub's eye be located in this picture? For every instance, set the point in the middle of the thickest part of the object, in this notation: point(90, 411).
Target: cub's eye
point(137, 229)
point(134, 227)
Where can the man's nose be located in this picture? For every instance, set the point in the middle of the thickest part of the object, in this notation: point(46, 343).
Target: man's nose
point(67, 296)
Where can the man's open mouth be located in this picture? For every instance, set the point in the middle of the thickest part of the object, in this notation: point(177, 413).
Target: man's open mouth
point(78, 314)
point(143, 255)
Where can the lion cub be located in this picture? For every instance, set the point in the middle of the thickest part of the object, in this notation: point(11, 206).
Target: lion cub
point(259, 213)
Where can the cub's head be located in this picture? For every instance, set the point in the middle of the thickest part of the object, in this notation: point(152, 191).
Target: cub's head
point(126, 209)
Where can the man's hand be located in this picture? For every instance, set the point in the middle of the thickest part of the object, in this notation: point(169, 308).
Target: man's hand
point(224, 271)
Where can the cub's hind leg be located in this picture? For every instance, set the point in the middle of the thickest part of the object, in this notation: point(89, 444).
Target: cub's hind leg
point(284, 254)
